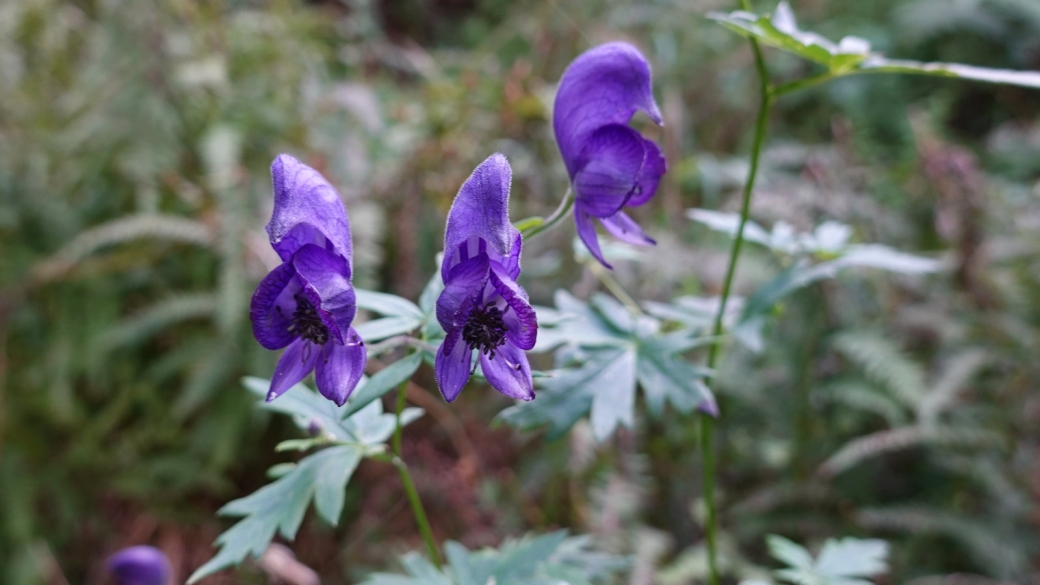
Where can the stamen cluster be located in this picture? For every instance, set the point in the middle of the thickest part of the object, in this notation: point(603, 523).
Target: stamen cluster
point(485, 330)
point(307, 323)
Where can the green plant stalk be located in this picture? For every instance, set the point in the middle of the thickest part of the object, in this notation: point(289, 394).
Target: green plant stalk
point(707, 423)
point(560, 213)
point(418, 511)
point(614, 287)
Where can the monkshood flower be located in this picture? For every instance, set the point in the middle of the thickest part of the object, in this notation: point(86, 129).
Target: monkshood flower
point(611, 166)
point(139, 565)
point(482, 308)
point(307, 303)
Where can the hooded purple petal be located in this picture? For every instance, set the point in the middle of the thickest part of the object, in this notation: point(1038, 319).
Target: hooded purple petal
point(272, 307)
point(465, 280)
point(480, 213)
point(622, 227)
point(604, 85)
point(653, 169)
point(339, 370)
point(609, 169)
point(587, 233)
point(452, 365)
point(326, 282)
point(520, 319)
point(139, 565)
point(298, 360)
point(307, 210)
point(509, 372)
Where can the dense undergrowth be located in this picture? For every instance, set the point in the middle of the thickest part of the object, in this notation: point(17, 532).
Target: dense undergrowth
point(135, 139)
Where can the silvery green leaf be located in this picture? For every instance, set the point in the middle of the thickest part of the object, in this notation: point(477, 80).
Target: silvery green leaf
point(853, 557)
point(387, 305)
point(379, 329)
point(280, 506)
point(387, 379)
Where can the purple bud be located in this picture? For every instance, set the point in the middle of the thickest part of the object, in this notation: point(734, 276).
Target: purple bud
point(139, 565)
point(314, 427)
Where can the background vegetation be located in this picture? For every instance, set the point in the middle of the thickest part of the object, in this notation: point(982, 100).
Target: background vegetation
point(135, 139)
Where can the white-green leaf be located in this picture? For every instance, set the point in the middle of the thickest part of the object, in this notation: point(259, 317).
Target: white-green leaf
point(387, 305)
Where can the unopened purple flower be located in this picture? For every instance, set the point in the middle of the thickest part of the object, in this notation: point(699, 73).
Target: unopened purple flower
point(482, 308)
point(611, 165)
point(307, 303)
point(139, 565)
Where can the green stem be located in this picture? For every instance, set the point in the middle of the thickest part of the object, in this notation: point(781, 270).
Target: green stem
point(707, 451)
point(614, 287)
point(409, 486)
point(804, 83)
point(560, 213)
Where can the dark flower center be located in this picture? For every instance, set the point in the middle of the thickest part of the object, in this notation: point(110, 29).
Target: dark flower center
point(484, 329)
point(307, 323)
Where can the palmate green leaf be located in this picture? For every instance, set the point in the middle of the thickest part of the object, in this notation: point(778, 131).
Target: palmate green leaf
point(280, 506)
point(550, 559)
point(781, 31)
point(609, 350)
point(849, 561)
point(357, 430)
point(852, 54)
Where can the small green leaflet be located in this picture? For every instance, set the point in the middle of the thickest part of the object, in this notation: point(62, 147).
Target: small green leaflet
point(852, 54)
point(849, 561)
point(399, 315)
point(354, 432)
point(550, 559)
point(606, 351)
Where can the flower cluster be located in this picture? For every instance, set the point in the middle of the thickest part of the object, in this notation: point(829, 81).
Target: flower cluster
point(306, 304)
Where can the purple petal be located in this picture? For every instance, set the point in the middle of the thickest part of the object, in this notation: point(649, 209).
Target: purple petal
point(587, 232)
point(654, 167)
point(465, 281)
point(480, 212)
point(307, 210)
point(325, 277)
point(340, 370)
point(452, 366)
point(509, 372)
point(625, 229)
point(297, 361)
point(139, 565)
point(610, 169)
point(520, 319)
point(512, 262)
point(272, 307)
point(604, 85)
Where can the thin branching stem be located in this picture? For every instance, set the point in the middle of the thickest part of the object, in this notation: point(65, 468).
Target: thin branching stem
point(409, 486)
point(707, 423)
point(560, 213)
point(615, 287)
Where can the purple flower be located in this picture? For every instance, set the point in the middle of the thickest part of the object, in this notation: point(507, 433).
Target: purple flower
point(482, 307)
point(307, 303)
point(139, 565)
point(611, 165)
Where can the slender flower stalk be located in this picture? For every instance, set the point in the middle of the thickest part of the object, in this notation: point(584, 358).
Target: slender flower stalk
point(421, 520)
point(707, 422)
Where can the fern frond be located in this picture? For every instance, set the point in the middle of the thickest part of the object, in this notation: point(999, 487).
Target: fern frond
point(959, 370)
point(1001, 554)
point(122, 230)
point(863, 397)
point(885, 363)
point(156, 318)
point(888, 441)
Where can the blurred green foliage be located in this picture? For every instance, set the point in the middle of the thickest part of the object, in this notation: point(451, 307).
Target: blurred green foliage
point(135, 139)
